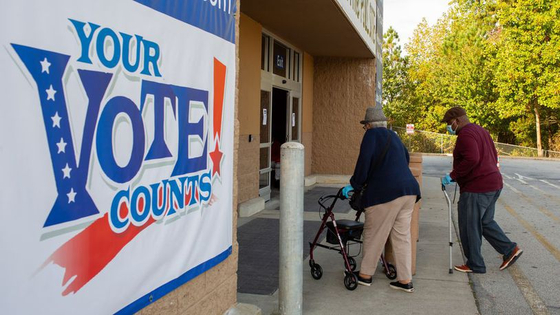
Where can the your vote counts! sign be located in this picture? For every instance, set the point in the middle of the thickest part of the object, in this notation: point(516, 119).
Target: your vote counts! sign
point(116, 150)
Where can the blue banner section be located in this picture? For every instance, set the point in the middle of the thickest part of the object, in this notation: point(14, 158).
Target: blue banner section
point(214, 16)
point(47, 69)
point(174, 284)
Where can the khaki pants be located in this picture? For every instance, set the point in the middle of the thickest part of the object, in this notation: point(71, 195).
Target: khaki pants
point(384, 220)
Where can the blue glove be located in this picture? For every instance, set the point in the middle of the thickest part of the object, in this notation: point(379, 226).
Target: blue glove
point(346, 190)
point(446, 180)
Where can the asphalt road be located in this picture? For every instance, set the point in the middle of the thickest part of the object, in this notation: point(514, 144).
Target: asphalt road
point(529, 213)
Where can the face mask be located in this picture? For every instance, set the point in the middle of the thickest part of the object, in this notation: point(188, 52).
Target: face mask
point(450, 129)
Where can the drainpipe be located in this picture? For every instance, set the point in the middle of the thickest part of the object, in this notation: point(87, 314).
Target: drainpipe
point(290, 293)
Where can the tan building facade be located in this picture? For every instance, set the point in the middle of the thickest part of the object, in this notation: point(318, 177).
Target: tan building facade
point(307, 70)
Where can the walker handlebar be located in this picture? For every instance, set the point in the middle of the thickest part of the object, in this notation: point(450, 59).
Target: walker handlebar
point(328, 197)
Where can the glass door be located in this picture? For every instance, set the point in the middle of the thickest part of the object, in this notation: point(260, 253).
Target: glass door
point(265, 144)
point(294, 117)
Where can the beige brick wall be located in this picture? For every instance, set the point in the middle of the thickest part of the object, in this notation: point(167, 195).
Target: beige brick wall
point(248, 168)
point(307, 141)
point(249, 107)
point(343, 88)
point(307, 110)
point(214, 291)
point(249, 75)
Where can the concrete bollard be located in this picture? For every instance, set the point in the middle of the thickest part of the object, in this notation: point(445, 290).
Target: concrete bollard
point(290, 293)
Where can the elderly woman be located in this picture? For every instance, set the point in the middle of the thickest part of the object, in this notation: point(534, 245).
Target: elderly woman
point(389, 197)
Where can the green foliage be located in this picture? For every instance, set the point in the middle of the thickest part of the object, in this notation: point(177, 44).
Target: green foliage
point(499, 59)
point(527, 59)
point(524, 130)
point(427, 142)
point(396, 86)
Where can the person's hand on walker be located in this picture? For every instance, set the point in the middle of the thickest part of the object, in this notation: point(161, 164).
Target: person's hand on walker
point(346, 190)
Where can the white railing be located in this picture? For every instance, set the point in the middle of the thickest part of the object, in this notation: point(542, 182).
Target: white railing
point(433, 142)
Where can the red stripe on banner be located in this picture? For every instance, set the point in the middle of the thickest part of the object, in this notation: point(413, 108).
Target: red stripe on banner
point(85, 255)
point(219, 87)
point(160, 196)
point(188, 196)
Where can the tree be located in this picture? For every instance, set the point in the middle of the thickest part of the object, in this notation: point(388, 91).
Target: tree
point(527, 61)
point(394, 67)
point(426, 72)
point(396, 85)
point(499, 59)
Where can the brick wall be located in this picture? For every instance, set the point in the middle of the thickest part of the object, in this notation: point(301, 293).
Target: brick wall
point(307, 110)
point(249, 107)
point(248, 168)
point(307, 141)
point(212, 292)
point(343, 88)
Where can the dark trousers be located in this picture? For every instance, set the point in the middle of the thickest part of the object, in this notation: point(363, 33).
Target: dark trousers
point(476, 219)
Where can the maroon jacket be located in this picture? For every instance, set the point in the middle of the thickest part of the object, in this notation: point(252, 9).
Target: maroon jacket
point(475, 161)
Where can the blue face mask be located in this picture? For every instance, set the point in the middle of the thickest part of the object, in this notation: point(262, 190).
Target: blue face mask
point(450, 130)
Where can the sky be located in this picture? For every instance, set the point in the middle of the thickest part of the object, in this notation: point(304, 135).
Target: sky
point(405, 15)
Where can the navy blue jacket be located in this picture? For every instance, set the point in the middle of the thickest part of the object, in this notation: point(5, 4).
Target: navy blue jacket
point(392, 177)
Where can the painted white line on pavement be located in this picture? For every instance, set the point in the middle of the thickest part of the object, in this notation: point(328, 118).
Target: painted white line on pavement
point(512, 188)
point(537, 188)
point(551, 184)
point(529, 200)
point(523, 177)
point(506, 176)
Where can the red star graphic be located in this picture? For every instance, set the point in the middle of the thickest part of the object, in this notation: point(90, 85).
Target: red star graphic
point(216, 157)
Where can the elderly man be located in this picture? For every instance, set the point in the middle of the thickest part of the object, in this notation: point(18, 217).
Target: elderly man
point(389, 196)
point(475, 170)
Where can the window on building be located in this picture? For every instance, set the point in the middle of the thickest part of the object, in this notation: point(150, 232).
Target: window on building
point(281, 60)
point(296, 66)
point(265, 44)
point(295, 119)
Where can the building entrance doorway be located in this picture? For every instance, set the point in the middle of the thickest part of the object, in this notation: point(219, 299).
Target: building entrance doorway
point(281, 116)
point(280, 109)
point(279, 134)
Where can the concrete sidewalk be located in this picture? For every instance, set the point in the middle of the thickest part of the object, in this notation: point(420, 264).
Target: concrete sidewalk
point(436, 291)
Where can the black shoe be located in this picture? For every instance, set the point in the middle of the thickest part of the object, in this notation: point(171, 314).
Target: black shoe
point(399, 286)
point(363, 281)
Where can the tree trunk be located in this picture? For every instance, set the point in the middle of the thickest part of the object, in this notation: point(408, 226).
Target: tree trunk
point(538, 123)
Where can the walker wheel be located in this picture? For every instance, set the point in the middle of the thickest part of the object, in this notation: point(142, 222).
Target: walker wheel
point(391, 273)
point(352, 263)
point(350, 281)
point(316, 271)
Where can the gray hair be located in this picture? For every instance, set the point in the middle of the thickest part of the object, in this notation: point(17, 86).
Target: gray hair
point(376, 124)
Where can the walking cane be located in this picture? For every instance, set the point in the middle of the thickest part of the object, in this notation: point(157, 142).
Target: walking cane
point(450, 230)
